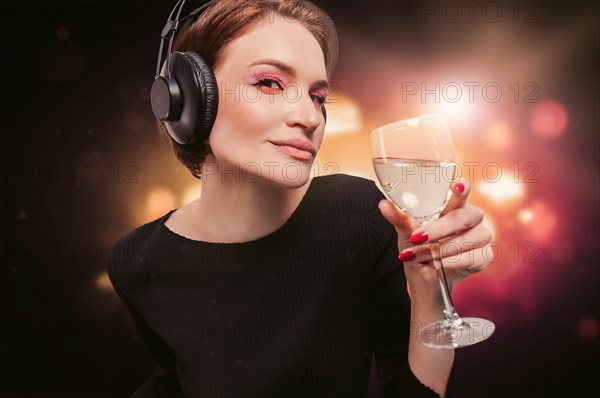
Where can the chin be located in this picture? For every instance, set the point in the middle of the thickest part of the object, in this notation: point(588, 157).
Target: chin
point(296, 183)
point(295, 174)
point(288, 174)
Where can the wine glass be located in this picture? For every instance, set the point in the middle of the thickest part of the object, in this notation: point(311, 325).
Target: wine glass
point(415, 163)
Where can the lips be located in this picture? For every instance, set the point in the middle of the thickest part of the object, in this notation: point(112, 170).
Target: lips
point(299, 149)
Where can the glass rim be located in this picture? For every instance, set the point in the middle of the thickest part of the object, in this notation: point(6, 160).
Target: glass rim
point(406, 122)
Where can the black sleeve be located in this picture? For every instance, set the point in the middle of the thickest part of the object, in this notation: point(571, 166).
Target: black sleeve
point(163, 381)
point(389, 316)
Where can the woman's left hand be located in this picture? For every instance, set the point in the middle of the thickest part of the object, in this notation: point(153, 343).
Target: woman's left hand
point(464, 243)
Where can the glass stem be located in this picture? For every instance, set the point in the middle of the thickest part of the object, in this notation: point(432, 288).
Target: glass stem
point(449, 312)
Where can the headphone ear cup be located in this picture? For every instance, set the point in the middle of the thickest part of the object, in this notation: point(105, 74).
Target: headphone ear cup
point(207, 86)
point(165, 99)
point(199, 97)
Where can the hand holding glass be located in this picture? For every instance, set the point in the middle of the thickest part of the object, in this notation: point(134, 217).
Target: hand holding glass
point(415, 163)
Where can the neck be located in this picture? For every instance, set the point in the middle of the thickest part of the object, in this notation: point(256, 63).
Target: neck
point(240, 208)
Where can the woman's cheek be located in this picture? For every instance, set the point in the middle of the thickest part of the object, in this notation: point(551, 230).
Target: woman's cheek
point(249, 111)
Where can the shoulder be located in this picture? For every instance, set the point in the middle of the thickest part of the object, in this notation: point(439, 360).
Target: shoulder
point(344, 197)
point(348, 205)
point(343, 180)
point(353, 187)
point(126, 257)
point(141, 236)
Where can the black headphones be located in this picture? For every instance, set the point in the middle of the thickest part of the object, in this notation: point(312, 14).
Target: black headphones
point(184, 94)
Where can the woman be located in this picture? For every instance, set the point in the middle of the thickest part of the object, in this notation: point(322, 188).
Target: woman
point(272, 284)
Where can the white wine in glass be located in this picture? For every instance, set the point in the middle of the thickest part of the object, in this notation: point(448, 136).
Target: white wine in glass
point(415, 163)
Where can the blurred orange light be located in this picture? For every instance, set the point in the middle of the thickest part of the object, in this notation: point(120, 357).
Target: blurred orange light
point(457, 112)
point(549, 119)
point(498, 136)
point(502, 190)
point(343, 115)
point(103, 282)
point(159, 202)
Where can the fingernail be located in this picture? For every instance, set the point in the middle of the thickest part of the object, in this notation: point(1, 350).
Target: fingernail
point(459, 186)
point(407, 255)
point(419, 238)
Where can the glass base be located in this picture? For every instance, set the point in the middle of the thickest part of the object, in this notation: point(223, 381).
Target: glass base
point(458, 333)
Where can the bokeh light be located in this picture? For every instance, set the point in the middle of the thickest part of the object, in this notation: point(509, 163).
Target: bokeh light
point(453, 103)
point(587, 328)
point(498, 136)
point(539, 221)
point(103, 282)
point(158, 202)
point(525, 216)
point(549, 119)
point(343, 115)
point(502, 190)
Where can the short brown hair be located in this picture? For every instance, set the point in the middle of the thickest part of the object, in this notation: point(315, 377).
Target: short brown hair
point(227, 20)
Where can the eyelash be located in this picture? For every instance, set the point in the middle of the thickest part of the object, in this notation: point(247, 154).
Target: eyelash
point(319, 99)
point(268, 81)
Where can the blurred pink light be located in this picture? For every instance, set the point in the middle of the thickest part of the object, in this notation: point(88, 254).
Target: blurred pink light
point(549, 119)
point(587, 328)
point(498, 291)
point(539, 221)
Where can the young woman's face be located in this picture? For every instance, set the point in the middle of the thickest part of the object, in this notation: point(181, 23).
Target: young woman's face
point(272, 83)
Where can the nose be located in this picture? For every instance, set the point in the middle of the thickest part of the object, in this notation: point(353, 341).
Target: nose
point(303, 113)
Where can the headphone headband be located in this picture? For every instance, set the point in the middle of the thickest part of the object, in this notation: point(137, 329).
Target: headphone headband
point(169, 31)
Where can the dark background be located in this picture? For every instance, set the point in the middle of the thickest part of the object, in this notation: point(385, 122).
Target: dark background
point(80, 151)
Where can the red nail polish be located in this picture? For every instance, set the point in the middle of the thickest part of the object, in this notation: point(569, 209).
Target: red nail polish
point(460, 188)
point(419, 238)
point(407, 255)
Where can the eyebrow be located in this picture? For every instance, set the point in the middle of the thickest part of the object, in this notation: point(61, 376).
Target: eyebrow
point(287, 69)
